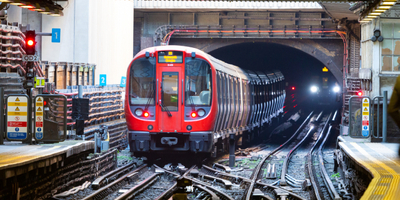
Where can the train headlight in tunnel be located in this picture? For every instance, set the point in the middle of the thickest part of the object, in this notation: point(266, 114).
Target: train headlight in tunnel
point(201, 112)
point(336, 89)
point(314, 89)
point(139, 112)
point(193, 114)
point(146, 114)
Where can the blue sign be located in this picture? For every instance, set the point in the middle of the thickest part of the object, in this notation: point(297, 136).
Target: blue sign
point(365, 128)
point(123, 81)
point(16, 135)
point(365, 133)
point(16, 129)
point(103, 79)
point(56, 35)
point(39, 129)
point(39, 135)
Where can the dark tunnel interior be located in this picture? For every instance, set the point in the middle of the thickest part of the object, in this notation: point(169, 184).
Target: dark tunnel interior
point(296, 66)
point(299, 68)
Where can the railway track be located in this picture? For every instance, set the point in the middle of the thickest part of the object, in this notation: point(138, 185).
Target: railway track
point(323, 187)
point(272, 176)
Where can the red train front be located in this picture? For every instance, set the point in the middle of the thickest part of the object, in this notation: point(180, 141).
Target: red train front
point(169, 102)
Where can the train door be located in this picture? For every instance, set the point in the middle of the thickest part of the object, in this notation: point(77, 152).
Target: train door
point(169, 98)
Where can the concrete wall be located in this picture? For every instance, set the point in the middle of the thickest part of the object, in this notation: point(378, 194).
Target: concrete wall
point(372, 56)
point(98, 32)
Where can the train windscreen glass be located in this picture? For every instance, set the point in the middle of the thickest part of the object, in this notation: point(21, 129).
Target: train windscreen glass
point(141, 82)
point(197, 82)
point(169, 93)
point(170, 57)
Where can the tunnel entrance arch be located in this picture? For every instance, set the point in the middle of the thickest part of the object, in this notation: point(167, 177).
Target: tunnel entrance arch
point(328, 51)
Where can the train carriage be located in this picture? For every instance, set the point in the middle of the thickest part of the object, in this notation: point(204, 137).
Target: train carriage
point(182, 99)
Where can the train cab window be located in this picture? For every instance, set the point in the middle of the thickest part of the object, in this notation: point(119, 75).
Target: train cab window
point(197, 82)
point(169, 92)
point(141, 82)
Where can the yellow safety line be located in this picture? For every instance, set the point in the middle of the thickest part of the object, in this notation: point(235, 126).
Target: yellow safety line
point(375, 173)
point(395, 182)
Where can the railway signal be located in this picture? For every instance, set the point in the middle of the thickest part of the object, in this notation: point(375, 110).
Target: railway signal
point(30, 42)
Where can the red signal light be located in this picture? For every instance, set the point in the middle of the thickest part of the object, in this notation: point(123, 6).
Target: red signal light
point(359, 93)
point(146, 114)
point(193, 114)
point(45, 103)
point(30, 42)
point(293, 88)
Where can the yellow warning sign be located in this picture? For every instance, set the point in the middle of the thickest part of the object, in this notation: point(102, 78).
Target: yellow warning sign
point(325, 69)
point(365, 104)
point(39, 104)
point(39, 109)
point(17, 99)
point(17, 104)
point(39, 99)
point(365, 109)
point(39, 113)
point(17, 109)
point(365, 100)
point(17, 113)
point(365, 113)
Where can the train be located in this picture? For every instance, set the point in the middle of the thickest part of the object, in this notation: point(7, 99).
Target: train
point(181, 99)
point(324, 90)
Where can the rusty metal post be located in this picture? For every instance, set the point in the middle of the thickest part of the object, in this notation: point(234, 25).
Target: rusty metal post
point(1, 115)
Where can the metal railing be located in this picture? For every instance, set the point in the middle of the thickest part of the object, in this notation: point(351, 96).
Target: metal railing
point(376, 120)
point(378, 117)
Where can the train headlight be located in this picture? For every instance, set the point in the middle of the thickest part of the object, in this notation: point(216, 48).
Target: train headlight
point(193, 114)
point(146, 114)
point(314, 89)
point(139, 112)
point(336, 89)
point(201, 112)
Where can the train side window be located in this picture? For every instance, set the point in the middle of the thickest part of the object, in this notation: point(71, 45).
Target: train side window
point(141, 81)
point(198, 82)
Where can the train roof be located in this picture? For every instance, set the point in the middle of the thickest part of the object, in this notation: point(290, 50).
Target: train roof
point(219, 65)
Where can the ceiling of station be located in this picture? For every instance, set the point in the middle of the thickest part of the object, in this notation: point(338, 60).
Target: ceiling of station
point(339, 10)
point(47, 7)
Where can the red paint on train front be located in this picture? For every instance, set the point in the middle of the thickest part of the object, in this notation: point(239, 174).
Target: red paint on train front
point(176, 122)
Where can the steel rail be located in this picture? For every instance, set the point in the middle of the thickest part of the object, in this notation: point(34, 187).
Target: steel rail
point(211, 193)
point(294, 195)
point(314, 182)
point(140, 187)
point(259, 166)
point(223, 174)
point(101, 190)
point(332, 190)
point(167, 193)
point(100, 181)
point(289, 155)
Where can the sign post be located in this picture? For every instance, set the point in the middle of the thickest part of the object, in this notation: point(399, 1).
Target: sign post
point(39, 128)
point(103, 79)
point(1, 115)
point(18, 113)
point(365, 117)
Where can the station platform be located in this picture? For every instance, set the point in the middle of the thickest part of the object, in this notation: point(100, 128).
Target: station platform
point(17, 158)
point(381, 160)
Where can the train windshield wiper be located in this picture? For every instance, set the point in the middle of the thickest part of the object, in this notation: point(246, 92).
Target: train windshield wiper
point(162, 103)
point(150, 97)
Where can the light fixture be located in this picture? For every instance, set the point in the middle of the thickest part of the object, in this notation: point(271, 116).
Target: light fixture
point(314, 89)
point(336, 89)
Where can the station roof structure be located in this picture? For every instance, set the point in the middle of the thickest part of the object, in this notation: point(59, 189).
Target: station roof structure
point(47, 7)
